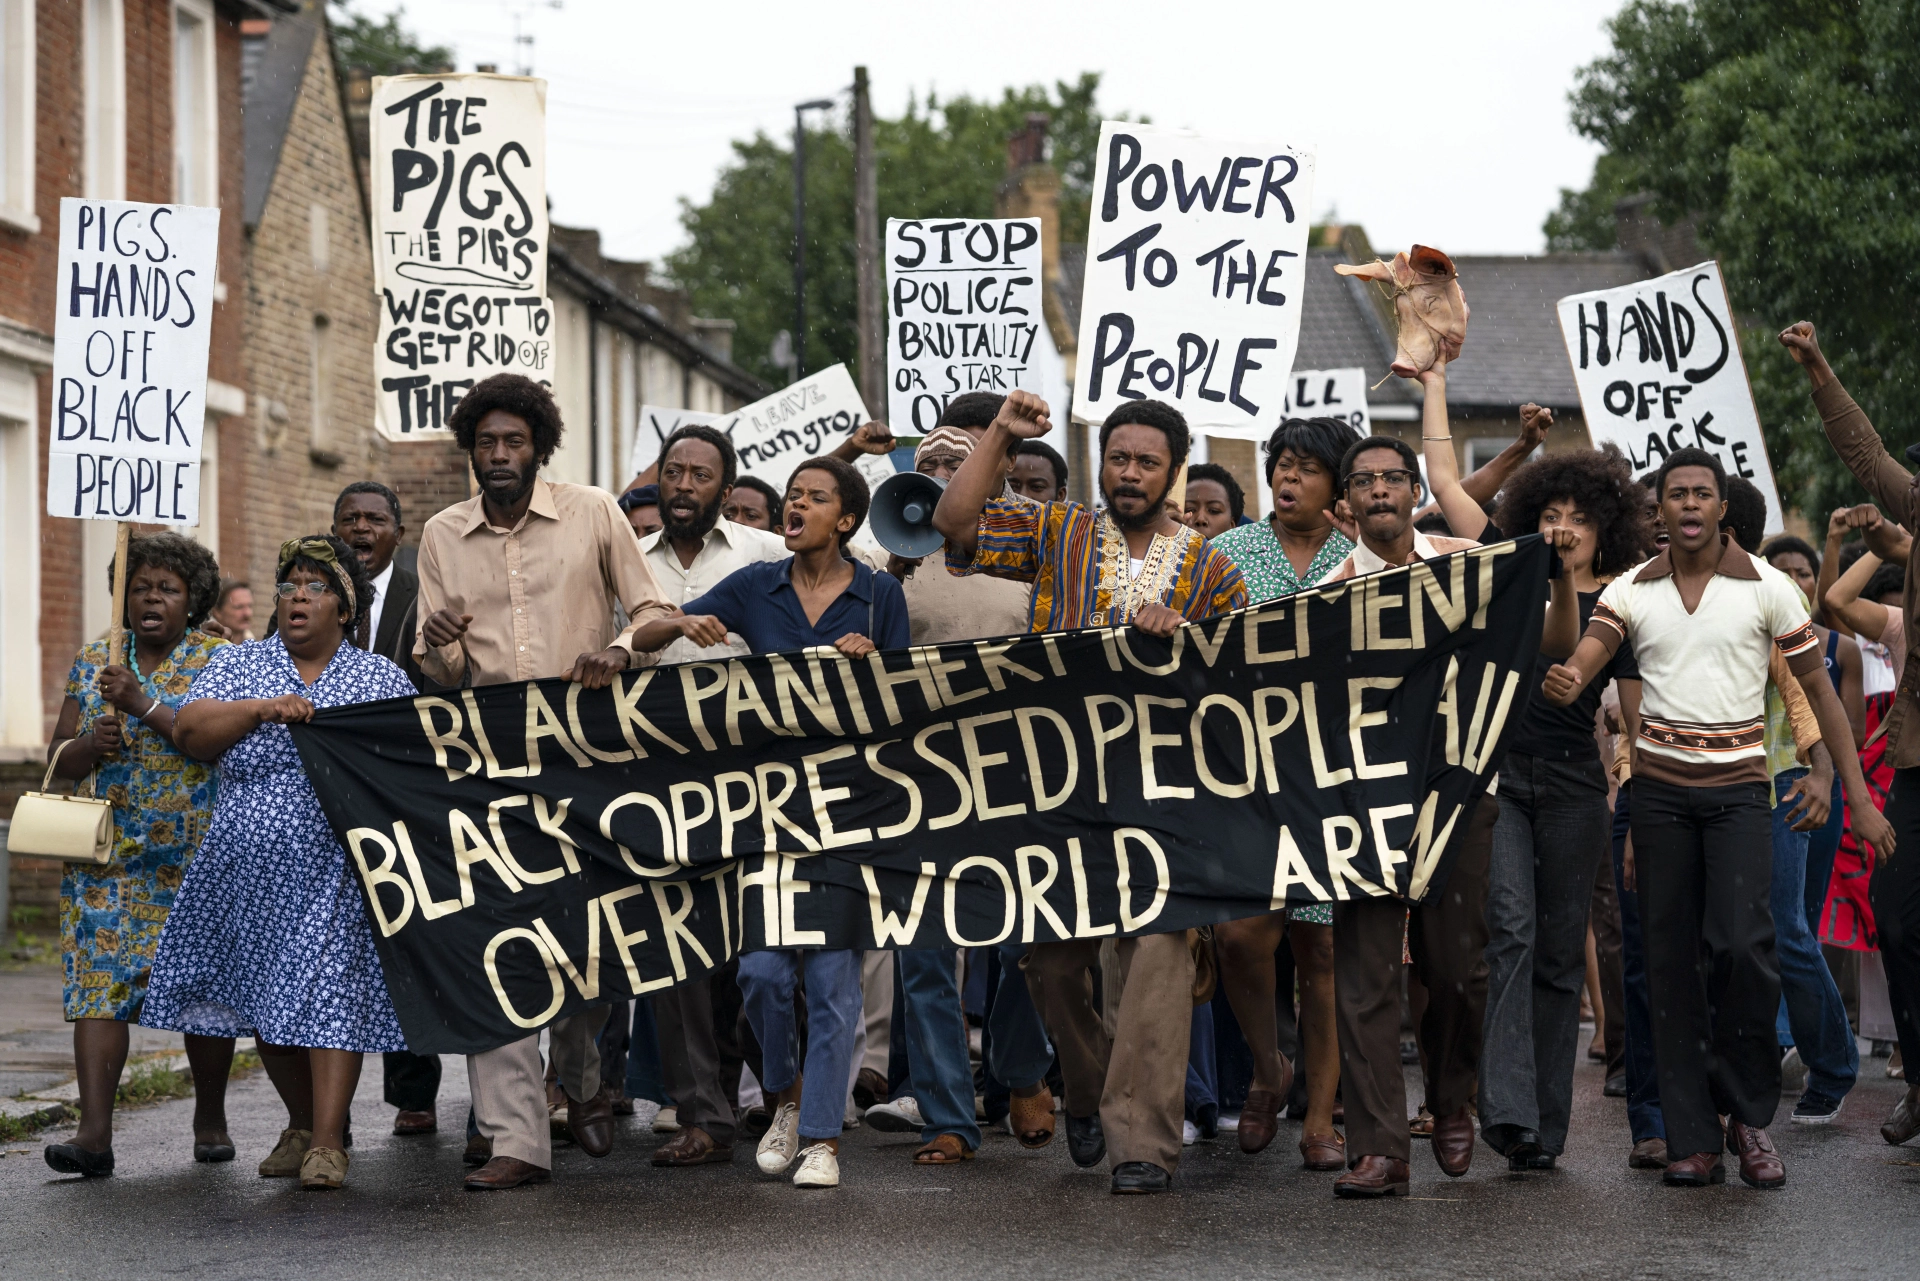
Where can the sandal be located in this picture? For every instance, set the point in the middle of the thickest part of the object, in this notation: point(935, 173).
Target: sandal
point(947, 1149)
point(1031, 1118)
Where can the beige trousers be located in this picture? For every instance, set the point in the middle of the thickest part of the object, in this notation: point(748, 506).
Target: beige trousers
point(510, 1089)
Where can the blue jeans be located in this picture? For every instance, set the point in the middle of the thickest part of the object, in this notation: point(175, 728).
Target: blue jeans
point(1644, 1117)
point(936, 1037)
point(1203, 1077)
point(1815, 1014)
point(645, 1080)
point(1019, 1052)
point(1822, 846)
point(767, 983)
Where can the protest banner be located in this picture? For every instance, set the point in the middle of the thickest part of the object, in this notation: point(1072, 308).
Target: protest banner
point(1658, 367)
point(532, 847)
point(133, 318)
point(799, 422)
point(963, 313)
point(459, 207)
point(1195, 266)
point(657, 422)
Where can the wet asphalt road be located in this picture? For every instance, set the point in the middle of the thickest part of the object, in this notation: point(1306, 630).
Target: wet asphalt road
point(1851, 1209)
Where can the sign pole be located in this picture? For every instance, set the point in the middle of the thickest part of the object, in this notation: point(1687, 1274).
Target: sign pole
point(117, 643)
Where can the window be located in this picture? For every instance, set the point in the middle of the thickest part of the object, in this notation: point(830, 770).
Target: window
point(320, 442)
point(195, 141)
point(105, 67)
point(1482, 450)
point(319, 237)
point(16, 116)
point(20, 708)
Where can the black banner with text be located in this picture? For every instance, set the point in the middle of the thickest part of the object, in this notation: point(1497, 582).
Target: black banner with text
point(529, 849)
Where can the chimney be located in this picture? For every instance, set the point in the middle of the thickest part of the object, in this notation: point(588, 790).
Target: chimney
point(1029, 146)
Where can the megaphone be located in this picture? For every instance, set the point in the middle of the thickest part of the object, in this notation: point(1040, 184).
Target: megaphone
point(901, 514)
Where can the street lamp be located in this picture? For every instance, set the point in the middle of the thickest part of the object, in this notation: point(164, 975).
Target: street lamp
point(800, 230)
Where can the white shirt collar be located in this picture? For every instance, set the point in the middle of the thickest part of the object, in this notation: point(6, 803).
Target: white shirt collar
point(1367, 562)
point(380, 581)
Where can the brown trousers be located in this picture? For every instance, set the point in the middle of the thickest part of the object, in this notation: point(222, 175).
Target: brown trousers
point(690, 1058)
point(1137, 1082)
point(1447, 937)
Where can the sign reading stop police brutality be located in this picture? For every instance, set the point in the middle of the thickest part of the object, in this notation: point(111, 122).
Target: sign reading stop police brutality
point(1195, 266)
point(134, 312)
point(459, 241)
point(963, 312)
point(1658, 366)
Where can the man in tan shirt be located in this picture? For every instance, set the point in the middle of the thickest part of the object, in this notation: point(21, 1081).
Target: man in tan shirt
point(527, 580)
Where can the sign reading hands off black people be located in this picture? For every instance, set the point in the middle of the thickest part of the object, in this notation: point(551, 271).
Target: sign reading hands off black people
point(963, 313)
point(1194, 273)
point(529, 848)
point(459, 241)
point(1659, 369)
point(130, 334)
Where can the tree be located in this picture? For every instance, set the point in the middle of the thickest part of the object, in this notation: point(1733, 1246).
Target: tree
point(1787, 129)
point(942, 158)
point(384, 48)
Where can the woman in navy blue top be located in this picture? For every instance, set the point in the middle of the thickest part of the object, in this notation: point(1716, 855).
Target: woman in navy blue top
point(816, 597)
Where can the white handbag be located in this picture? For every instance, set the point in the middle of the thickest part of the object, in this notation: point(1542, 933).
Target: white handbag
point(49, 824)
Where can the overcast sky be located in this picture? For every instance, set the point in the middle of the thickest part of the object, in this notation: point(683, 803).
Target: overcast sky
point(1445, 125)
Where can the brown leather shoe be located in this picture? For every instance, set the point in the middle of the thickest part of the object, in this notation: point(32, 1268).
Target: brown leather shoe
point(591, 1123)
point(1260, 1120)
point(504, 1172)
point(479, 1150)
point(1453, 1141)
point(1323, 1152)
point(617, 1096)
point(1648, 1154)
point(692, 1146)
point(869, 1089)
point(1695, 1170)
point(1373, 1176)
point(415, 1123)
point(1760, 1164)
point(1905, 1121)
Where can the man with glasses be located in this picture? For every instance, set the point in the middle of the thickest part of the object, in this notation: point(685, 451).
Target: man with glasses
point(1446, 933)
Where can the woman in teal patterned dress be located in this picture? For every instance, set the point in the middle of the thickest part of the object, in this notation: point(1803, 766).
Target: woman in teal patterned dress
point(118, 721)
point(1290, 551)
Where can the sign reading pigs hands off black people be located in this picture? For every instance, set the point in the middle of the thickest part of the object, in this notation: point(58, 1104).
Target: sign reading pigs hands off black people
point(963, 313)
point(1659, 369)
point(1195, 266)
point(529, 848)
point(459, 241)
point(131, 327)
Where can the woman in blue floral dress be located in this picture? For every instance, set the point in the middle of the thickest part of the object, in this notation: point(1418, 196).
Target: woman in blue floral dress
point(1288, 552)
point(118, 721)
point(269, 935)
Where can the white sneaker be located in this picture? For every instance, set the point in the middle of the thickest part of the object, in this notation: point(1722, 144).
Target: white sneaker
point(666, 1121)
point(781, 1140)
point(1189, 1134)
point(897, 1116)
point(645, 1113)
point(819, 1168)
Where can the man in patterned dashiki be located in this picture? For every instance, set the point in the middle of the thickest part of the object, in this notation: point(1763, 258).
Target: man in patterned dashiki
point(1132, 563)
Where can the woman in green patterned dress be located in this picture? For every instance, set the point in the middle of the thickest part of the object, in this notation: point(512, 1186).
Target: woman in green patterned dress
point(1290, 551)
point(118, 721)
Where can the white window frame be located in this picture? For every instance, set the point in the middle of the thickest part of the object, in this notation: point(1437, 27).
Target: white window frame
point(18, 68)
point(22, 715)
point(104, 72)
point(202, 143)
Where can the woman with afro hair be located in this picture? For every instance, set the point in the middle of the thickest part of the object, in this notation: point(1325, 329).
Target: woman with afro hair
point(1553, 826)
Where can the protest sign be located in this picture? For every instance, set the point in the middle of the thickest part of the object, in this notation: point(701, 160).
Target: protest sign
point(1329, 393)
point(133, 317)
point(800, 422)
point(657, 422)
point(529, 848)
point(459, 241)
point(1658, 367)
point(963, 313)
point(1195, 266)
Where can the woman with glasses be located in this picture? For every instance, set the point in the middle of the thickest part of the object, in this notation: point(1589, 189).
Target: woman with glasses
point(117, 722)
point(269, 937)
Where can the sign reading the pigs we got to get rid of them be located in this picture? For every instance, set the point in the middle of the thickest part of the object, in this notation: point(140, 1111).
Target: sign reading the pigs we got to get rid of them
point(1658, 367)
point(963, 313)
point(1195, 268)
point(459, 241)
point(133, 318)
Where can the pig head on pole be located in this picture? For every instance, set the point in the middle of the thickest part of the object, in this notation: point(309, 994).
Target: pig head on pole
point(1430, 310)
